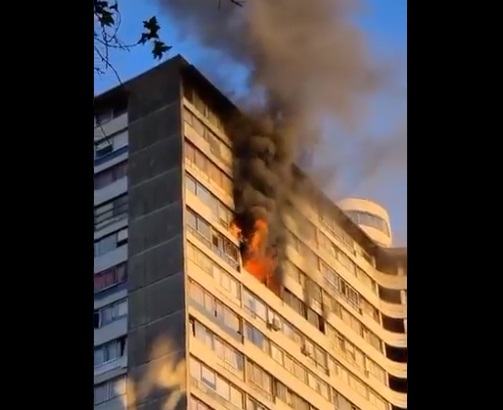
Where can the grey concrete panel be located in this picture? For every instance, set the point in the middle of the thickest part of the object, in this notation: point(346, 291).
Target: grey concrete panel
point(155, 228)
point(159, 125)
point(155, 160)
point(155, 193)
point(160, 338)
point(157, 300)
point(156, 263)
point(153, 90)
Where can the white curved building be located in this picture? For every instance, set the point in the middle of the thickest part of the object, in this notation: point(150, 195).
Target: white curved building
point(371, 217)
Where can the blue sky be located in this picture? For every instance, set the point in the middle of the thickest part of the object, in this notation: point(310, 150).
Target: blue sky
point(384, 22)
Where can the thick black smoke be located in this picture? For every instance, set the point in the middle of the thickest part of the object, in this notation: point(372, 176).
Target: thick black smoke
point(307, 62)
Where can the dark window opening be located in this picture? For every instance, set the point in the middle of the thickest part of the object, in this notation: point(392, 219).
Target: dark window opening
point(393, 325)
point(397, 354)
point(390, 295)
point(397, 384)
point(96, 319)
point(321, 324)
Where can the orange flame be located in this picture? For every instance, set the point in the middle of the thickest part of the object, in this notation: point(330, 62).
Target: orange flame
point(257, 260)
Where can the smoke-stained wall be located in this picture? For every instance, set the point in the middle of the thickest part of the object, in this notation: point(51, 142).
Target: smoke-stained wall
point(156, 322)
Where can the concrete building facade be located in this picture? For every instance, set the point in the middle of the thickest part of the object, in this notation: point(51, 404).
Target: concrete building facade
point(179, 323)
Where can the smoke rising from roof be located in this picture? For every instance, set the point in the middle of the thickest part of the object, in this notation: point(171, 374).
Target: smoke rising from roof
point(308, 63)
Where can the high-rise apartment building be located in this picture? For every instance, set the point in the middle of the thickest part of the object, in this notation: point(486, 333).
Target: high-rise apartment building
point(179, 323)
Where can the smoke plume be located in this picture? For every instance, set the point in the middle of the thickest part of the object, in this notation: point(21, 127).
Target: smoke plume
point(308, 62)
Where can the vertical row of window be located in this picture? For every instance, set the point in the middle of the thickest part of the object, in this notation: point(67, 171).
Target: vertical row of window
point(110, 277)
point(215, 145)
point(111, 211)
point(110, 175)
point(213, 239)
point(196, 159)
point(109, 390)
point(110, 242)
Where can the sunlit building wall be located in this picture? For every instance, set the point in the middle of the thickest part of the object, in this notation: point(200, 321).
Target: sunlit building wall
point(179, 323)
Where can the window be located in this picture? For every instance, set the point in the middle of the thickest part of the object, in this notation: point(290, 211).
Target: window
point(110, 313)
point(339, 286)
point(110, 277)
point(372, 339)
point(254, 405)
point(110, 242)
point(256, 337)
point(290, 398)
point(109, 390)
point(341, 402)
point(346, 262)
point(110, 175)
point(318, 385)
point(110, 147)
point(366, 280)
point(259, 379)
point(109, 351)
point(376, 371)
point(370, 220)
point(111, 211)
point(326, 244)
point(277, 354)
point(196, 404)
point(329, 219)
point(292, 333)
point(254, 305)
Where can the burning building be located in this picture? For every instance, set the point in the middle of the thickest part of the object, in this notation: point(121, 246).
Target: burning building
point(220, 284)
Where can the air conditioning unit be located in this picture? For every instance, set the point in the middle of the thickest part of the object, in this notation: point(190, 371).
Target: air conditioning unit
point(274, 324)
point(122, 235)
point(305, 352)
